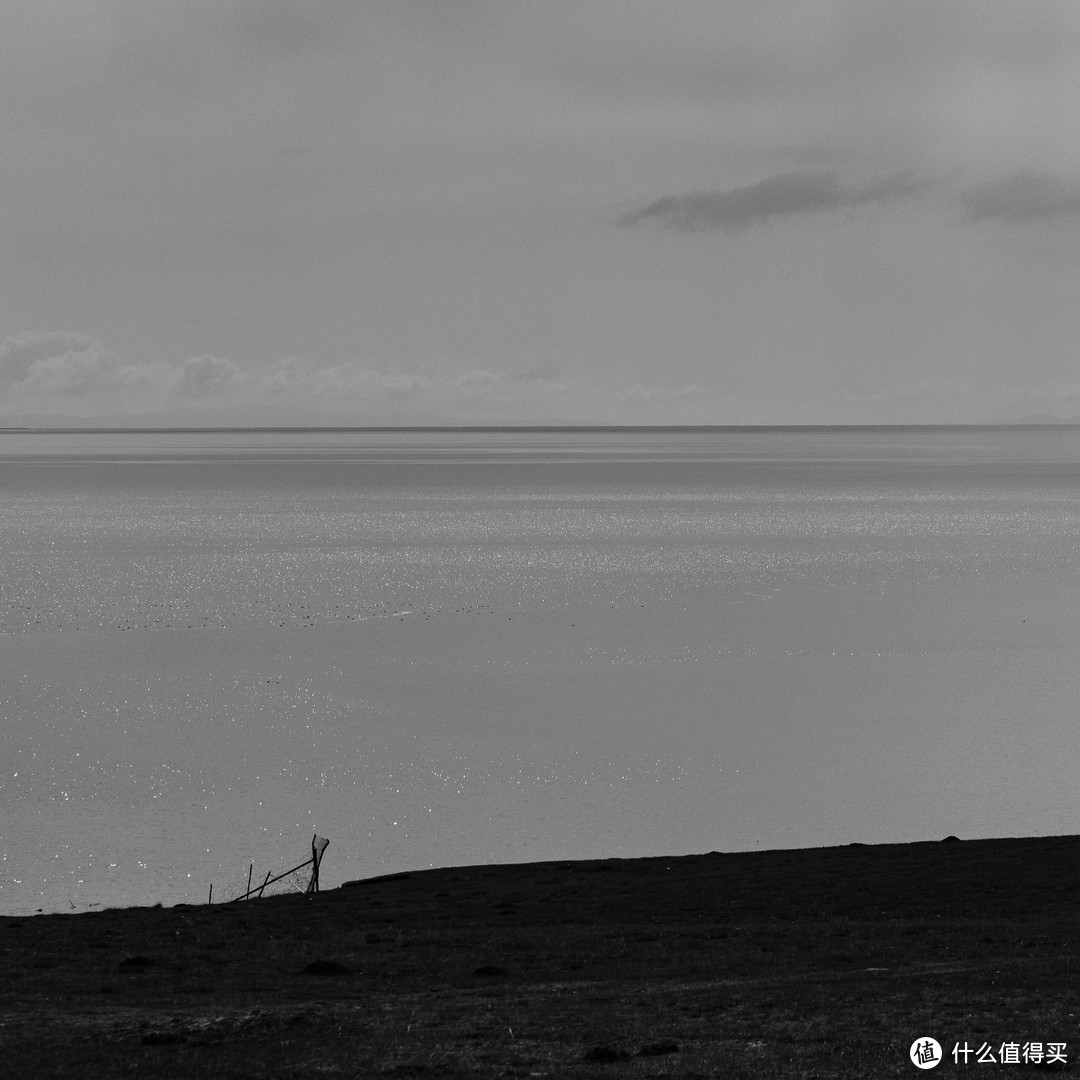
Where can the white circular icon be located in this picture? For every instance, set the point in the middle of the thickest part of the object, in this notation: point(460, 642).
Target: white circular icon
point(925, 1053)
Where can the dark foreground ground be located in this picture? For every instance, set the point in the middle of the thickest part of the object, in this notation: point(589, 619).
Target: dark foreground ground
point(815, 963)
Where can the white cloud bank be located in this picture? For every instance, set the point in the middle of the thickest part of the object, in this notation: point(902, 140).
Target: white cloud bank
point(69, 374)
point(63, 376)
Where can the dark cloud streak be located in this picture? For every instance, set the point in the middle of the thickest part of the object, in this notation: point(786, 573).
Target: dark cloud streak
point(777, 196)
point(1022, 197)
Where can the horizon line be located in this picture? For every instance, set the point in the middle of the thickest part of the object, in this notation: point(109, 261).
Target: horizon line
point(281, 429)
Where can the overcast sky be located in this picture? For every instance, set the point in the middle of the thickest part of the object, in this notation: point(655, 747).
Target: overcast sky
point(499, 211)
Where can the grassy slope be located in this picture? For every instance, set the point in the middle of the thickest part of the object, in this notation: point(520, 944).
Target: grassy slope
point(817, 963)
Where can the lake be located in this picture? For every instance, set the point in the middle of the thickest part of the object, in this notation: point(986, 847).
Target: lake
point(442, 648)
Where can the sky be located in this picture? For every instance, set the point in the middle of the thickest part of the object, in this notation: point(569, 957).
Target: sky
point(538, 211)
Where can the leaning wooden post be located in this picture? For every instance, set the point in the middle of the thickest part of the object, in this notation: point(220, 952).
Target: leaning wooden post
point(250, 868)
point(318, 845)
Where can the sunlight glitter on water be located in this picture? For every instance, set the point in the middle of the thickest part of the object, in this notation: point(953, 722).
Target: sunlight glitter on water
point(543, 664)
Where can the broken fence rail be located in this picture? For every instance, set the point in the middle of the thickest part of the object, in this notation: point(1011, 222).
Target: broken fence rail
point(319, 844)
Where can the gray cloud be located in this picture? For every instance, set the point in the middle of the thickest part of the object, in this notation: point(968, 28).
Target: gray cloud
point(21, 352)
point(204, 376)
point(62, 365)
point(290, 375)
point(776, 196)
point(1022, 197)
point(58, 362)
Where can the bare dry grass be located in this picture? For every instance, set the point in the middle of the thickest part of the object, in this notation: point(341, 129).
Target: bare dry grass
point(818, 963)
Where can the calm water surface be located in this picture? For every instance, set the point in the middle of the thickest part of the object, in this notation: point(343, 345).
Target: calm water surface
point(464, 647)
